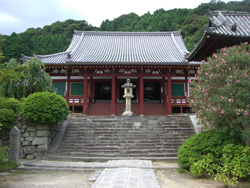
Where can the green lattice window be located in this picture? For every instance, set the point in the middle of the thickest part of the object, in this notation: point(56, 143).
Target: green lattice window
point(177, 89)
point(77, 89)
point(60, 86)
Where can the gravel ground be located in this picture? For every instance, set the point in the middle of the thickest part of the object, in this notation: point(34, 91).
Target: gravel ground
point(46, 179)
point(167, 178)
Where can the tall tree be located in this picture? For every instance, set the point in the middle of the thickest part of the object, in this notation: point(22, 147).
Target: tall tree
point(19, 80)
point(1, 52)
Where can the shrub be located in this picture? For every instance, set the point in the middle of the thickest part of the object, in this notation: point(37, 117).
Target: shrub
point(7, 116)
point(235, 164)
point(216, 153)
point(44, 107)
point(221, 97)
point(8, 110)
point(199, 145)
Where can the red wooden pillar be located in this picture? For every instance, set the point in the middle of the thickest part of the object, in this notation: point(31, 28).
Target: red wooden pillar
point(186, 86)
point(169, 95)
point(137, 91)
point(73, 109)
point(91, 87)
point(164, 90)
point(141, 95)
point(113, 96)
point(68, 86)
point(85, 89)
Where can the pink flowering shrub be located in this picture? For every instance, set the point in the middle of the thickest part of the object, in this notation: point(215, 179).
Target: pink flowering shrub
point(221, 97)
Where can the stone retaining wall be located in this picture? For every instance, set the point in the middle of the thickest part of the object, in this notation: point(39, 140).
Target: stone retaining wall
point(35, 138)
point(4, 138)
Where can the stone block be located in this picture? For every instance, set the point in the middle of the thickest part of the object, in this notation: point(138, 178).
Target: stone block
point(1, 143)
point(26, 134)
point(30, 157)
point(22, 131)
point(24, 126)
point(6, 142)
point(31, 128)
point(26, 143)
point(42, 148)
point(43, 127)
point(21, 155)
point(28, 150)
point(40, 141)
point(29, 139)
point(33, 134)
point(43, 133)
point(39, 155)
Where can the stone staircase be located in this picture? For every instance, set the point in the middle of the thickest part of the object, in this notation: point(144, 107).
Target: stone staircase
point(125, 137)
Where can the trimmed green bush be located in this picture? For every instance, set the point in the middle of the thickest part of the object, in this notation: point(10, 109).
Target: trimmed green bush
point(44, 107)
point(199, 145)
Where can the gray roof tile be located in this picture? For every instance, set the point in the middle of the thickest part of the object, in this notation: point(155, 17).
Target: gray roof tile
point(222, 23)
point(96, 47)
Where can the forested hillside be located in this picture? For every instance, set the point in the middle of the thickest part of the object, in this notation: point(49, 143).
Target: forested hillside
point(56, 37)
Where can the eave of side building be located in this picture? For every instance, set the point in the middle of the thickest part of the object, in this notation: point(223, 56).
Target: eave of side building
point(224, 29)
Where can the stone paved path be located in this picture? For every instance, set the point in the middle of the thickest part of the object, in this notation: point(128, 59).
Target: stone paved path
point(128, 174)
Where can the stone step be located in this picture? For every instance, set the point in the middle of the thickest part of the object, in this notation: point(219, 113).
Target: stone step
point(137, 155)
point(97, 136)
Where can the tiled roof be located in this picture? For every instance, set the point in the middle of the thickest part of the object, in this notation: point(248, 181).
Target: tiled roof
point(96, 47)
point(224, 29)
point(229, 23)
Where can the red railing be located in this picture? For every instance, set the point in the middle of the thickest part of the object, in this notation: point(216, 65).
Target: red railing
point(179, 100)
point(74, 100)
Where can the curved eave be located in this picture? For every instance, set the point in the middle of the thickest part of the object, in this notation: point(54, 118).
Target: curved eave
point(128, 63)
point(211, 42)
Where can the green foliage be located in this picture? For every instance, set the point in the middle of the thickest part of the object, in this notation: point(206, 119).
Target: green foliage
point(6, 165)
point(1, 52)
point(44, 107)
point(19, 80)
point(182, 171)
point(8, 111)
point(47, 40)
point(200, 145)
point(3, 153)
point(218, 154)
point(222, 95)
point(7, 116)
point(57, 36)
point(235, 164)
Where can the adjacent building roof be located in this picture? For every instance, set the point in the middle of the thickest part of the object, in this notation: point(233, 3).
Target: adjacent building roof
point(108, 48)
point(224, 29)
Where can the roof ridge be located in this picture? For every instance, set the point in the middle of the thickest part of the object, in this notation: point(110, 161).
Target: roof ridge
point(216, 12)
point(126, 33)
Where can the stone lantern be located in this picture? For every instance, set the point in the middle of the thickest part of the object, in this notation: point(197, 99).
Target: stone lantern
point(128, 94)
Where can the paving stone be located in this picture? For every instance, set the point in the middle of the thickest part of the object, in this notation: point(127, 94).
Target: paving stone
point(118, 186)
point(129, 185)
point(121, 177)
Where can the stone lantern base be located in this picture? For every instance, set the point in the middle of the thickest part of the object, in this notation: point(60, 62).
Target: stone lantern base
point(128, 113)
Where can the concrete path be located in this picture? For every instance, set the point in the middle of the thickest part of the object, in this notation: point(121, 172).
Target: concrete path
point(127, 174)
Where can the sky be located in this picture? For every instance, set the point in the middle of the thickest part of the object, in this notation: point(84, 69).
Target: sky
point(19, 15)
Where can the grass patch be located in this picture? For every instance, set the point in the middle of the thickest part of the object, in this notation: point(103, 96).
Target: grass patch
point(182, 171)
point(7, 165)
